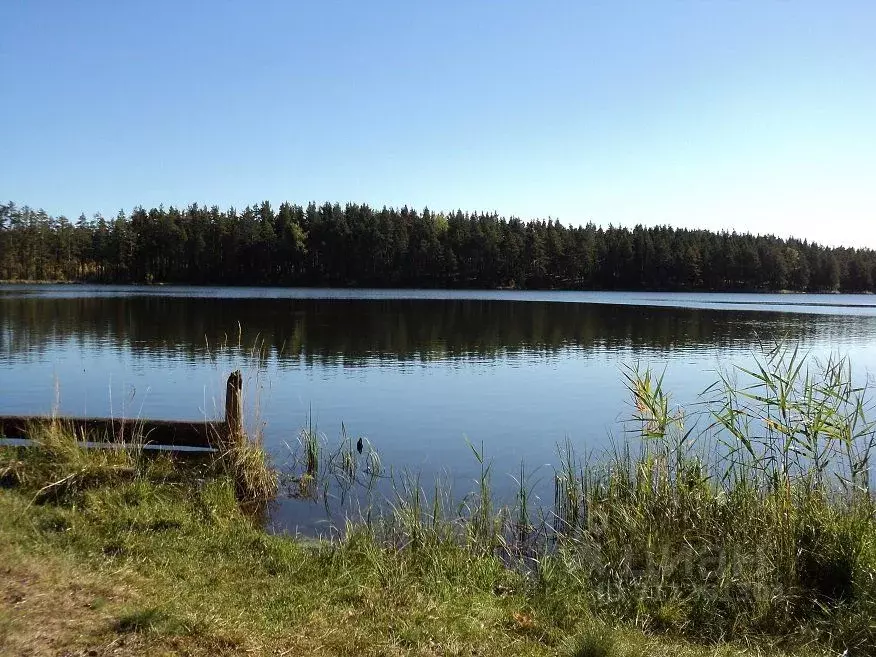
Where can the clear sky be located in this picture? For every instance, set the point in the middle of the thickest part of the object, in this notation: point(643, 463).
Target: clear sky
point(749, 114)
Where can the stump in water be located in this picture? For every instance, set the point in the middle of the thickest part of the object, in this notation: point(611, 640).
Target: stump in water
point(234, 409)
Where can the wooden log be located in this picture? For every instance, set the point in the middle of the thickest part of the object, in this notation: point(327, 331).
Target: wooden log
point(155, 432)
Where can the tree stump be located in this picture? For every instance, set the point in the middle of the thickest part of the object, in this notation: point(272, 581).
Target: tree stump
point(234, 432)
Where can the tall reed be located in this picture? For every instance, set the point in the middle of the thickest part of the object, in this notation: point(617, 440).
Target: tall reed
point(751, 514)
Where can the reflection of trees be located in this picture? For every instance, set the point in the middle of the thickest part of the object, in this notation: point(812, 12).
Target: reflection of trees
point(353, 331)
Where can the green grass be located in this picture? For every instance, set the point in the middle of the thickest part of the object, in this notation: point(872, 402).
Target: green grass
point(207, 578)
point(745, 527)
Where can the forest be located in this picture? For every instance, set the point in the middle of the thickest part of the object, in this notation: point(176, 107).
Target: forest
point(355, 245)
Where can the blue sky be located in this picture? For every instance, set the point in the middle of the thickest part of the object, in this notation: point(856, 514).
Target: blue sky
point(748, 115)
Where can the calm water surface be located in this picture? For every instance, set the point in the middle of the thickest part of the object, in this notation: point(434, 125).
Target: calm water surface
point(416, 372)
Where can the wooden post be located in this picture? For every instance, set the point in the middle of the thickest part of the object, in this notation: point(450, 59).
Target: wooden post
point(234, 407)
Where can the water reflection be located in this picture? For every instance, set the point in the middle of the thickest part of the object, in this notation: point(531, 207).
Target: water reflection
point(357, 332)
point(417, 376)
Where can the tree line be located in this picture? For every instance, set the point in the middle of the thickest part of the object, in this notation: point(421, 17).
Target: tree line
point(356, 245)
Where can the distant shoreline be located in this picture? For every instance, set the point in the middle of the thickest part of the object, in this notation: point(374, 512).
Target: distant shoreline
point(4, 283)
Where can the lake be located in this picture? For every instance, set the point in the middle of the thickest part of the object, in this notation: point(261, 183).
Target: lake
point(419, 373)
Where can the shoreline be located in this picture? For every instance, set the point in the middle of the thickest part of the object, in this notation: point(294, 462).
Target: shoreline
point(5, 283)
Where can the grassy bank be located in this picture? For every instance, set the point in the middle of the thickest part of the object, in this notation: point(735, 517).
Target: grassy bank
point(746, 525)
point(114, 553)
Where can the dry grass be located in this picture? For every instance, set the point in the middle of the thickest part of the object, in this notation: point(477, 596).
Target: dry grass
point(48, 606)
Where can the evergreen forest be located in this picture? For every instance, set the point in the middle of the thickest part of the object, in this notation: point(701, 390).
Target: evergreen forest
point(354, 245)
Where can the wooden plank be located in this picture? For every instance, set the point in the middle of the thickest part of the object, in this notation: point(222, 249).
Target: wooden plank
point(156, 432)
